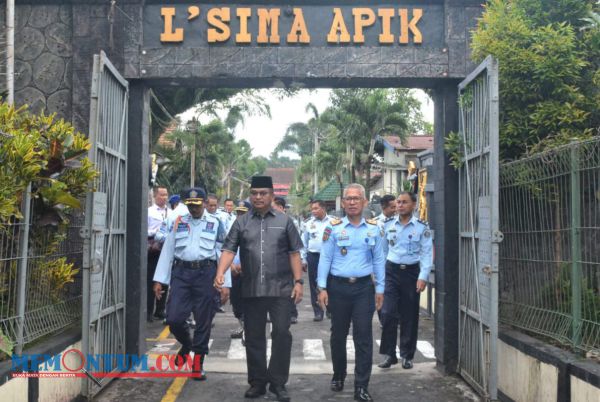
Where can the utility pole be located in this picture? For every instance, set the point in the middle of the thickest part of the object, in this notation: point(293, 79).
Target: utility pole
point(10, 51)
point(26, 203)
point(315, 175)
point(229, 182)
point(192, 127)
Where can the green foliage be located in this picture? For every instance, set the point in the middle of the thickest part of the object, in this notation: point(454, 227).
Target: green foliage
point(48, 153)
point(6, 345)
point(549, 71)
point(558, 295)
point(348, 131)
point(218, 156)
point(57, 273)
point(454, 146)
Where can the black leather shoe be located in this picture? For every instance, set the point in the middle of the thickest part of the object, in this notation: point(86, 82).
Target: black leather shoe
point(407, 363)
point(181, 357)
point(280, 392)
point(388, 362)
point(318, 317)
point(337, 385)
point(198, 368)
point(255, 391)
point(294, 320)
point(361, 394)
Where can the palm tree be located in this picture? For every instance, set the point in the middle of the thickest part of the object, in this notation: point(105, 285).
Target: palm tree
point(370, 114)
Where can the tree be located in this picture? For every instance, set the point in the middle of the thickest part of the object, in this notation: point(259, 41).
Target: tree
point(349, 129)
point(549, 61)
point(219, 158)
point(369, 114)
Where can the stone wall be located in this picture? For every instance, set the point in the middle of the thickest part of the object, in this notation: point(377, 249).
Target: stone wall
point(43, 58)
point(54, 47)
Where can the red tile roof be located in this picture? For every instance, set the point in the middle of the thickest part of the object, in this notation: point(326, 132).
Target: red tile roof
point(281, 175)
point(412, 143)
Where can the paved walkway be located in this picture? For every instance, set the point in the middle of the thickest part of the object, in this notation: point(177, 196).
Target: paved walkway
point(310, 369)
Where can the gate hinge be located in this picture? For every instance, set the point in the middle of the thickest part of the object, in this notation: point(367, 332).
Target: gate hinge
point(497, 236)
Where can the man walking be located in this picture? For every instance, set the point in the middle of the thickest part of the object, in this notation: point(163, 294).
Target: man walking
point(407, 268)
point(279, 204)
point(352, 252)
point(313, 240)
point(236, 282)
point(271, 274)
point(157, 216)
point(191, 249)
point(388, 210)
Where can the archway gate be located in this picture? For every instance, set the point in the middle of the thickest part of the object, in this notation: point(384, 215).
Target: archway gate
point(353, 43)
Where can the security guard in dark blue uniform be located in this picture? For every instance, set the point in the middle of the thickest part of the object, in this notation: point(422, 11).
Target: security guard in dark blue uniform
point(192, 249)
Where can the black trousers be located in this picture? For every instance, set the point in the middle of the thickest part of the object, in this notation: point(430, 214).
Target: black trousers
point(192, 291)
point(255, 322)
point(312, 260)
point(352, 303)
point(150, 298)
point(235, 296)
point(400, 304)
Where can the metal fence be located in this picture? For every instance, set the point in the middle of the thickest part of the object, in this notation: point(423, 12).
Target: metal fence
point(49, 293)
point(550, 257)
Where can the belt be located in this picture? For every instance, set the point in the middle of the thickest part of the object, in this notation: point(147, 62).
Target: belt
point(314, 252)
point(198, 264)
point(351, 279)
point(404, 266)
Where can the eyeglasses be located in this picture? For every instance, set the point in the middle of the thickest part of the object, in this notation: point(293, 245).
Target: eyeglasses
point(353, 199)
point(403, 202)
point(259, 193)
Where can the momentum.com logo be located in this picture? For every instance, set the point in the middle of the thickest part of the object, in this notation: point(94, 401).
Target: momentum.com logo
point(73, 363)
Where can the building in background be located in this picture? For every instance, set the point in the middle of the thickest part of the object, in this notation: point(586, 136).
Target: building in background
point(283, 178)
point(396, 158)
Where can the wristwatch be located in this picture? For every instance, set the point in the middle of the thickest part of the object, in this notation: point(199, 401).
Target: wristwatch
point(300, 281)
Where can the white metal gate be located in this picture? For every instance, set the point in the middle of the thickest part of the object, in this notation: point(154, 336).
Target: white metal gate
point(478, 229)
point(105, 230)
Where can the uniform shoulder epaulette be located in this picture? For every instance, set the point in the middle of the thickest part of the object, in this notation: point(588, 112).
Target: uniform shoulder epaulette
point(371, 221)
point(423, 222)
point(335, 222)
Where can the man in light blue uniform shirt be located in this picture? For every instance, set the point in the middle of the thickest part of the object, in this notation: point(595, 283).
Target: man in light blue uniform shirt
point(409, 252)
point(388, 210)
point(190, 249)
point(351, 254)
point(312, 238)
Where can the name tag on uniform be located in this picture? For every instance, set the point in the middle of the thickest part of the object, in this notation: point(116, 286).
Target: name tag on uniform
point(210, 227)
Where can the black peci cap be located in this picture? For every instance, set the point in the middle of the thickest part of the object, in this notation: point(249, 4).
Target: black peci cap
point(261, 182)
